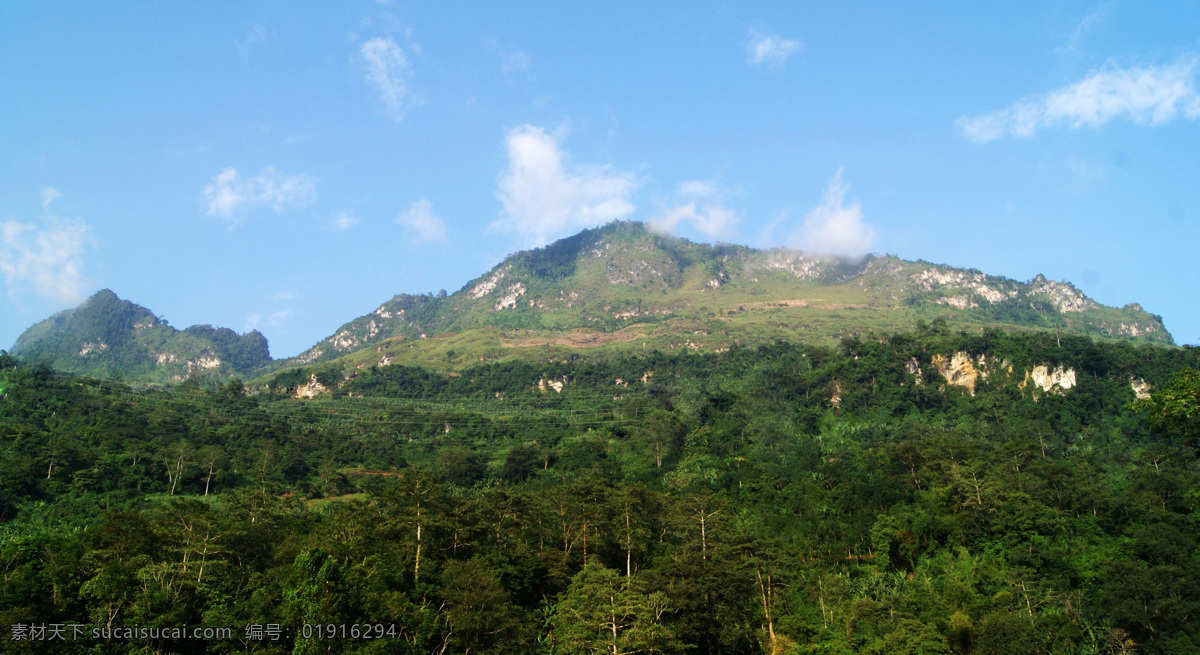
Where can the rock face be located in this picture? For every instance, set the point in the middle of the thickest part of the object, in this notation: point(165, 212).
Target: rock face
point(991, 290)
point(1141, 388)
point(958, 370)
point(1064, 297)
point(1054, 380)
point(110, 337)
point(793, 262)
point(914, 368)
point(309, 389)
point(552, 384)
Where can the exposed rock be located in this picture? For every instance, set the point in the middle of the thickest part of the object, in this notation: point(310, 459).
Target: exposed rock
point(92, 347)
point(310, 389)
point(1065, 297)
point(384, 361)
point(202, 363)
point(647, 376)
point(1058, 380)
point(345, 340)
point(792, 261)
point(641, 272)
point(164, 358)
point(977, 283)
point(958, 370)
point(310, 356)
point(555, 384)
point(488, 284)
point(835, 398)
point(1136, 329)
point(510, 299)
point(1141, 388)
point(961, 301)
point(914, 368)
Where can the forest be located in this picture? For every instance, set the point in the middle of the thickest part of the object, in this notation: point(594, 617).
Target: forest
point(777, 499)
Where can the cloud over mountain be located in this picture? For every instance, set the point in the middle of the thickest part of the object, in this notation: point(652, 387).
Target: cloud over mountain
point(833, 227)
point(544, 196)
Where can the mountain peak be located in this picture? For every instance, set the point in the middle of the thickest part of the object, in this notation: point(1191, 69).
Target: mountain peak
point(111, 337)
point(624, 283)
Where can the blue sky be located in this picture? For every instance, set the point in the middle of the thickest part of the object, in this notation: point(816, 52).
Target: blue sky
point(289, 166)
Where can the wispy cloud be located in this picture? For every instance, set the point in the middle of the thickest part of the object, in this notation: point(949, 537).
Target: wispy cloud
point(513, 61)
point(833, 227)
point(389, 71)
point(545, 197)
point(257, 35)
point(279, 317)
point(49, 195)
point(284, 295)
point(275, 319)
point(1096, 16)
point(1145, 95)
point(702, 204)
point(421, 224)
point(45, 257)
point(770, 50)
point(345, 220)
point(230, 197)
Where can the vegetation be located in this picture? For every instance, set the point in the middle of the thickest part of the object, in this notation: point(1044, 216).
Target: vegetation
point(112, 338)
point(780, 499)
point(621, 288)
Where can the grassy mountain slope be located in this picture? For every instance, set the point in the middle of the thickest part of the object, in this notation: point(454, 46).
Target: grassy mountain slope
point(110, 337)
point(621, 288)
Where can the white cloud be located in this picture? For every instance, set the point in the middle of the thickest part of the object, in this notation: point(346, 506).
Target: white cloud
point(545, 197)
point(46, 259)
point(1150, 95)
point(514, 61)
point(257, 35)
point(275, 319)
point(701, 203)
point(834, 228)
point(389, 71)
point(278, 318)
point(770, 50)
point(511, 61)
point(1096, 16)
point(229, 197)
point(421, 224)
point(49, 195)
point(284, 295)
point(345, 220)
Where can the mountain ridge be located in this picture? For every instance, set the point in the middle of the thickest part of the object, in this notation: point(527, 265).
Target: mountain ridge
point(603, 283)
point(107, 336)
point(604, 290)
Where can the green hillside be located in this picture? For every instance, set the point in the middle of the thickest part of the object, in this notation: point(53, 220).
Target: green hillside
point(622, 288)
point(604, 292)
point(110, 337)
point(929, 493)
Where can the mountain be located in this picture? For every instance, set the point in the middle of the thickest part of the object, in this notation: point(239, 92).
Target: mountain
point(608, 290)
point(623, 287)
point(110, 337)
